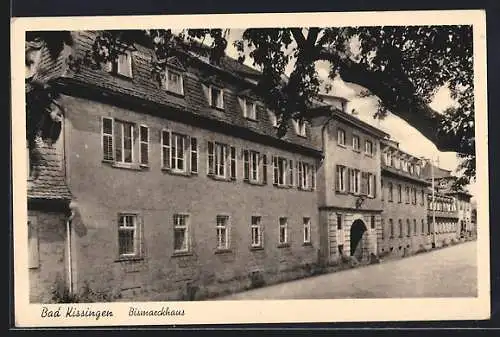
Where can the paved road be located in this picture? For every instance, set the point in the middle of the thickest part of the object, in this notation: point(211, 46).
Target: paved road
point(448, 272)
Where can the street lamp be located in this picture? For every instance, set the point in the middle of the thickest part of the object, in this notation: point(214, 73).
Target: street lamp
point(433, 201)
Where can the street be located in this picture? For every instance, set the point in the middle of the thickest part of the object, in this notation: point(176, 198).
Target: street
point(447, 272)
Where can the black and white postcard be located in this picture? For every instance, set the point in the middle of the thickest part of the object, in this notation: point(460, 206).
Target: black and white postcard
point(250, 168)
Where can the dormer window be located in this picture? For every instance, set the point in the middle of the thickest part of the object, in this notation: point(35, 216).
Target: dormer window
point(216, 97)
point(275, 121)
point(249, 109)
point(300, 127)
point(417, 170)
point(173, 82)
point(122, 65)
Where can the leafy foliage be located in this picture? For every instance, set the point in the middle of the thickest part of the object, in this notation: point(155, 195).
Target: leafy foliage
point(402, 66)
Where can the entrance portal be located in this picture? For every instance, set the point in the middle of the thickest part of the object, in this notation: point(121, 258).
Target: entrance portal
point(358, 243)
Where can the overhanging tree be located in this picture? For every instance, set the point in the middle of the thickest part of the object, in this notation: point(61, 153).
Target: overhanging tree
point(402, 66)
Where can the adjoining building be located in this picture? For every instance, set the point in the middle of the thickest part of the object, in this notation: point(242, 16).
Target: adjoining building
point(403, 228)
point(178, 183)
point(444, 182)
point(348, 183)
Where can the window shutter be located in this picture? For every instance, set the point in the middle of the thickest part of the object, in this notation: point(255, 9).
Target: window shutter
point(144, 144)
point(34, 258)
point(246, 165)
point(275, 170)
point(206, 92)
point(194, 155)
point(107, 138)
point(291, 173)
point(313, 177)
point(264, 169)
point(233, 162)
point(241, 102)
point(166, 148)
point(210, 158)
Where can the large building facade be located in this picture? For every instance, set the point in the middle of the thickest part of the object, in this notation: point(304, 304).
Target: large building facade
point(178, 187)
point(348, 184)
point(404, 228)
point(179, 184)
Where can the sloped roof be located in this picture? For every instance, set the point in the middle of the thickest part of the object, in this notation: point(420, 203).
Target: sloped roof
point(439, 173)
point(48, 181)
point(144, 87)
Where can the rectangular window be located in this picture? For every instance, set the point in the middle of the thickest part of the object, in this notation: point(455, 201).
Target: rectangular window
point(216, 97)
point(340, 137)
point(400, 193)
point(414, 226)
point(304, 175)
point(340, 178)
point(369, 147)
point(107, 139)
point(391, 192)
point(173, 82)
point(34, 257)
point(254, 166)
point(249, 109)
point(422, 197)
point(400, 228)
point(356, 182)
point(178, 153)
point(300, 127)
point(194, 155)
point(122, 65)
point(279, 171)
point(144, 144)
point(290, 173)
point(372, 221)
point(233, 162)
point(364, 182)
point(391, 228)
point(264, 169)
point(382, 196)
point(382, 229)
point(414, 196)
point(222, 231)
point(339, 221)
point(423, 226)
point(407, 190)
point(256, 229)
point(273, 118)
point(181, 233)
point(128, 235)
point(283, 230)
point(307, 230)
point(355, 143)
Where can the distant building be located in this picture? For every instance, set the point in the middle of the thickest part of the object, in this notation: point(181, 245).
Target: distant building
point(404, 228)
point(442, 217)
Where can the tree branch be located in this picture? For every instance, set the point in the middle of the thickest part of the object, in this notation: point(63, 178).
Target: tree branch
point(299, 37)
point(397, 93)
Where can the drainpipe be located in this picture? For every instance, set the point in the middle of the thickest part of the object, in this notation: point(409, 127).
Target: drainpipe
point(72, 207)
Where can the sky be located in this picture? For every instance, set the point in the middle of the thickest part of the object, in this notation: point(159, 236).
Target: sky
point(409, 138)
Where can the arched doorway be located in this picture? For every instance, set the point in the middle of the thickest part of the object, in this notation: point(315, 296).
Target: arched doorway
point(358, 244)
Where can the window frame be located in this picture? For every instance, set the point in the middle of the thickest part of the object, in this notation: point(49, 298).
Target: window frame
point(306, 221)
point(137, 235)
point(122, 124)
point(257, 226)
point(253, 115)
point(187, 234)
point(341, 136)
point(220, 97)
point(370, 152)
point(226, 228)
point(146, 142)
point(358, 147)
point(166, 81)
